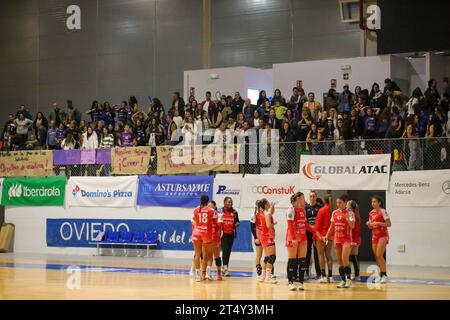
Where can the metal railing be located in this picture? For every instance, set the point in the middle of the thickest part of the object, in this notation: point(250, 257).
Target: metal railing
point(406, 154)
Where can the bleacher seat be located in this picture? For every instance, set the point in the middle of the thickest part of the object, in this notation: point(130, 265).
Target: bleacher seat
point(125, 237)
point(112, 237)
point(151, 237)
point(138, 237)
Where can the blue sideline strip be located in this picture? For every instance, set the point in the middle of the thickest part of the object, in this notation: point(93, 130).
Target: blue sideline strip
point(239, 274)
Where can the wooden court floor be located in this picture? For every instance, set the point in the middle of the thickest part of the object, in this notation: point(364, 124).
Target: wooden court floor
point(35, 278)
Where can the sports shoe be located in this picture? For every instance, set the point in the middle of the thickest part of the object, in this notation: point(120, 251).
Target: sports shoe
point(226, 273)
point(330, 279)
point(323, 280)
point(383, 279)
point(376, 280)
point(348, 283)
point(352, 277)
point(273, 276)
point(301, 287)
point(219, 276)
point(262, 277)
point(306, 277)
point(358, 278)
point(197, 276)
point(191, 272)
point(270, 280)
point(291, 286)
point(341, 284)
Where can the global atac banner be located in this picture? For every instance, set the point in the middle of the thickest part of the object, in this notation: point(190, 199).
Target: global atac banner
point(33, 191)
point(101, 191)
point(350, 172)
point(172, 234)
point(227, 185)
point(173, 191)
point(430, 188)
point(277, 188)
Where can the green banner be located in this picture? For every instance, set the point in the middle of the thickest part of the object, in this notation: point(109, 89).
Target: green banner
point(27, 192)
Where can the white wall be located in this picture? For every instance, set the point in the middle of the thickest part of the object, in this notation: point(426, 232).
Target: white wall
point(437, 67)
point(230, 80)
point(424, 232)
point(316, 75)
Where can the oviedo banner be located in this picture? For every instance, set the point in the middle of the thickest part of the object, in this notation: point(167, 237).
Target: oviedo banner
point(350, 172)
point(172, 234)
point(132, 160)
point(101, 191)
point(227, 185)
point(192, 159)
point(430, 188)
point(33, 191)
point(36, 163)
point(277, 188)
point(173, 191)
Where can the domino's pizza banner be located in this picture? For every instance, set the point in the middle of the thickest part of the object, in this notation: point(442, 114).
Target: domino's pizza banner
point(173, 191)
point(172, 234)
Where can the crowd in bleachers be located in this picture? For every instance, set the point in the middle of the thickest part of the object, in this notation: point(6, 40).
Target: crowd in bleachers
point(375, 113)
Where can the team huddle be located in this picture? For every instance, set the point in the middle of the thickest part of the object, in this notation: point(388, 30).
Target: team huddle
point(340, 228)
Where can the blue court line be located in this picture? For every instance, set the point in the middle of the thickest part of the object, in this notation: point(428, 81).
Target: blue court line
point(166, 271)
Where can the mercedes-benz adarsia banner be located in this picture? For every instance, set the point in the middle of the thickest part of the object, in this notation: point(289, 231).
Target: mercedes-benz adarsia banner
point(102, 191)
point(27, 192)
point(351, 172)
point(277, 188)
point(430, 188)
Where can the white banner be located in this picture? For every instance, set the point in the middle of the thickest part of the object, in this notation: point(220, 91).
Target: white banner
point(352, 172)
point(119, 192)
point(430, 188)
point(276, 188)
point(227, 185)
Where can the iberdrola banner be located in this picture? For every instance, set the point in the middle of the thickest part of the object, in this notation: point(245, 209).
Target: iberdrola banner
point(28, 192)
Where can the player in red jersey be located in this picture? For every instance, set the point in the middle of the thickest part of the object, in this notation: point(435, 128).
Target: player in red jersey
point(202, 219)
point(342, 223)
point(379, 221)
point(267, 237)
point(216, 233)
point(324, 248)
point(296, 240)
point(255, 225)
point(356, 237)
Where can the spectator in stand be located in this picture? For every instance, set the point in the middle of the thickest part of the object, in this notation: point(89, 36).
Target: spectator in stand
point(177, 119)
point(432, 95)
point(127, 138)
point(415, 152)
point(272, 120)
point(40, 118)
point(280, 111)
point(304, 125)
point(446, 86)
point(340, 137)
point(8, 124)
point(313, 137)
point(278, 97)
point(395, 115)
point(294, 99)
point(314, 107)
point(322, 122)
point(90, 141)
point(60, 134)
point(41, 136)
point(122, 112)
point(265, 110)
point(383, 122)
point(287, 137)
point(94, 112)
point(140, 132)
point(32, 143)
point(334, 116)
point(376, 96)
point(23, 125)
point(178, 103)
point(262, 99)
point(108, 115)
point(236, 104)
point(345, 100)
point(369, 125)
point(443, 118)
point(291, 119)
point(56, 115)
point(254, 122)
point(72, 112)
point(156, 109)
point(330, 135)
point(156, 133)
point(51, 137)
point(106, 142)
point(248, 108)
point(358, 94)
point(169, 128)
point(388, 83)
point(73, 130)
point(23, 109)
point(208, 104)
point(332, 99)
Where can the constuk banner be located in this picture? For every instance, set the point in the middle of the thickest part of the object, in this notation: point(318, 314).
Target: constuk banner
point(350, 172)
point(36, 163)
point(193, 159)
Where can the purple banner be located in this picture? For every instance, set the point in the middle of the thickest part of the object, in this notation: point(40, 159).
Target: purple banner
point(63, 157)
point(88, 156)
point(103, 156)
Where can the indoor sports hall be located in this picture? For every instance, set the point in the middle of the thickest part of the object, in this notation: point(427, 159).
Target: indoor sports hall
point(210, 150)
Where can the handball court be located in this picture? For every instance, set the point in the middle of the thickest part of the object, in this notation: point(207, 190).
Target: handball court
point(31, 276)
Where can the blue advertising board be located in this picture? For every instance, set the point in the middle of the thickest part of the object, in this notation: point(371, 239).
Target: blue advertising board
point(172, 234)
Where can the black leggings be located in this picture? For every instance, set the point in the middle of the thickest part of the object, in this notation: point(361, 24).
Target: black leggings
point(227, 245)
point(308, 254)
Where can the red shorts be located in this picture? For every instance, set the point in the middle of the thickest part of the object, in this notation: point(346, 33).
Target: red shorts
point(290, 244)
point(203, 237)
point(341, 245)
point(376, 239)
point(267, 241)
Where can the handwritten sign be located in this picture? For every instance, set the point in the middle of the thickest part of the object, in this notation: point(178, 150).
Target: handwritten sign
point(36, 163)
point(188, 159)
point(132, 160)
